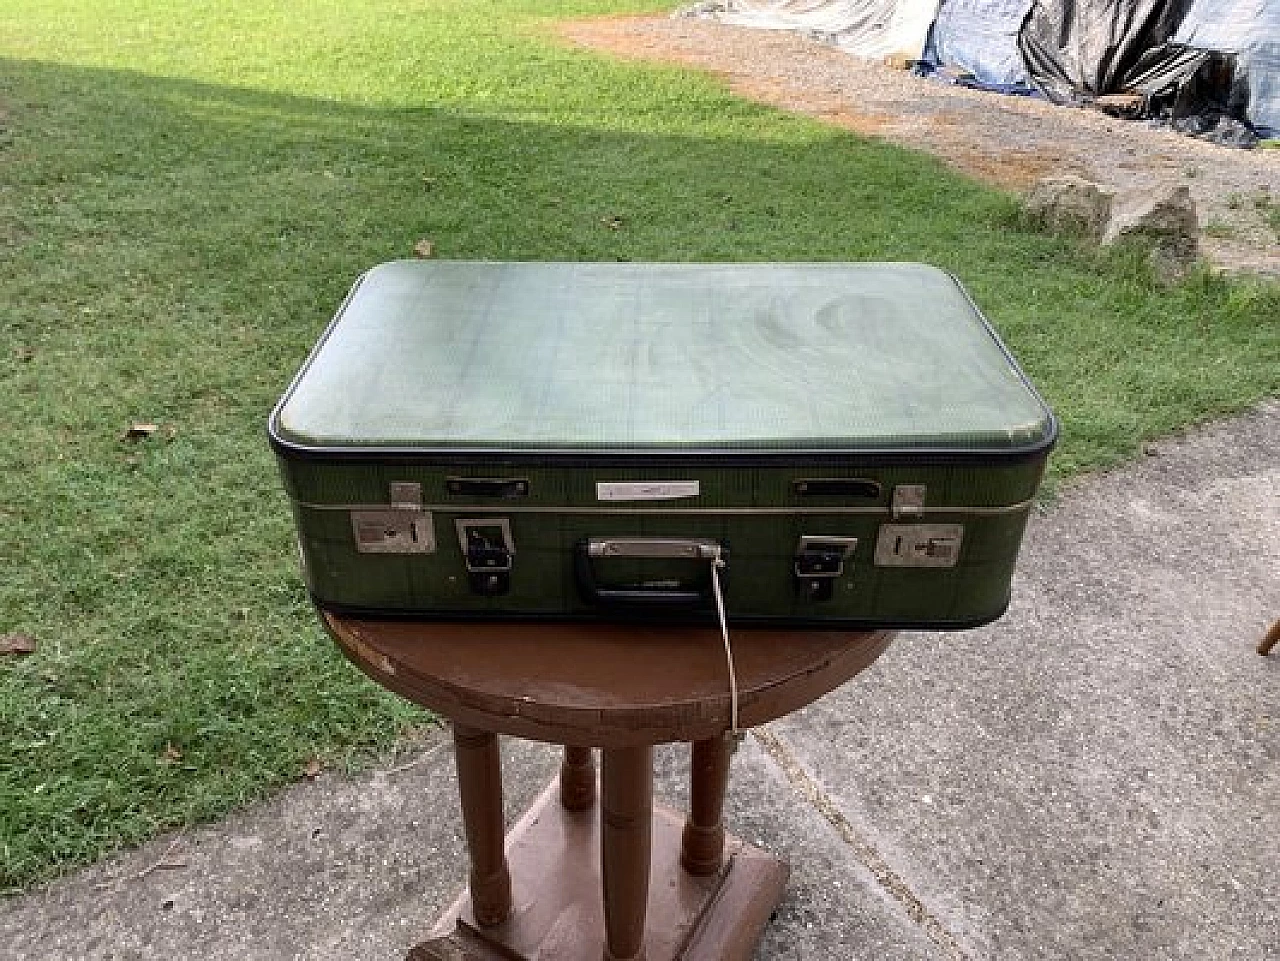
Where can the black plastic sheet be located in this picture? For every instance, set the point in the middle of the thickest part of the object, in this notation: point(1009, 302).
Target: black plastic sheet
point(1196, 92)
point(1077, 50)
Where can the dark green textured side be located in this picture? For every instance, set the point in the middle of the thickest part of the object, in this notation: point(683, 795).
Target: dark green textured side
point(761, 522)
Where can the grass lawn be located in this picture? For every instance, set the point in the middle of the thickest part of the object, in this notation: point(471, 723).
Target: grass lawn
point(186, 191)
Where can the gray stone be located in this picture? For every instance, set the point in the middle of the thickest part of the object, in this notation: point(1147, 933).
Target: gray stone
point(1164, 218)
point(1070, 204)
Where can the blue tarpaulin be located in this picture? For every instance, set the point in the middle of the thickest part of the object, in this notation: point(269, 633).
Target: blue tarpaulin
point(1250, 29)
point(980, 37)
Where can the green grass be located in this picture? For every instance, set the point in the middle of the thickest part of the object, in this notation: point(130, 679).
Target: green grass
point(185, 193)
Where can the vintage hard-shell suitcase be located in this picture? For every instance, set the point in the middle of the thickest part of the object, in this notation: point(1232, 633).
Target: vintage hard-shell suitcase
point(851, 442)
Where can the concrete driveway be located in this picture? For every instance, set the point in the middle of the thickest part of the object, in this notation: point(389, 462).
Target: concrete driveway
point(1097, 775)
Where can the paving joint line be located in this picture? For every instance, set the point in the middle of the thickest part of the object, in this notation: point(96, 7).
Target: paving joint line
point(870, 858)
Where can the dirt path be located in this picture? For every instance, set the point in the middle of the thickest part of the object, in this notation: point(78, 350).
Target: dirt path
point(1007, 141)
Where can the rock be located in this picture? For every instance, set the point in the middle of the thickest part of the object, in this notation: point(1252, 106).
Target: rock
point(1119, 104)
point(1163, 218)
point(1070, 204)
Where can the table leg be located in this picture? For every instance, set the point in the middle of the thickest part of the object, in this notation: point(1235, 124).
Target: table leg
point(626, 825)
point(577, 779)
point(702, 845)
point(480, 788)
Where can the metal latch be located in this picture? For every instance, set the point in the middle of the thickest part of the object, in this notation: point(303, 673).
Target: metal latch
point(405, 495)
point(908, 501)
point(919, 545)
point(393, 532)
point(403, 528)
point(487, 550)
point(819, 561)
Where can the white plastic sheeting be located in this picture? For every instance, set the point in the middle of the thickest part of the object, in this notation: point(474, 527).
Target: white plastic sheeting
point(1250, 29)
point(874, 29)
point(981, 37)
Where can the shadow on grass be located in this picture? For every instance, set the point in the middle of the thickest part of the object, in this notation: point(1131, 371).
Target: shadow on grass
point(170, 249)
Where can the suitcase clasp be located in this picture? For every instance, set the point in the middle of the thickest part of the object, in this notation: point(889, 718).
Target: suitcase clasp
point(819, 562)
point(487, 550)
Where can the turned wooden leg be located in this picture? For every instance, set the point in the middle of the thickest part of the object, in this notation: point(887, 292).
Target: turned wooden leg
point(626, 825)
point(702, 845)
point(577, 779)
point(480, 788)
point(1268, 642)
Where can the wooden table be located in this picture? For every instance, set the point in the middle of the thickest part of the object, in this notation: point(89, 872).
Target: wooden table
point(665, 886)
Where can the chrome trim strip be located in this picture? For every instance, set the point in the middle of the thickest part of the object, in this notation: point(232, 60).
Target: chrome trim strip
point(504, 509)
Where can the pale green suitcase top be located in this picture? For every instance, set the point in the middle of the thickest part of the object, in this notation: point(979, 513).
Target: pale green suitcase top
point(546, 357)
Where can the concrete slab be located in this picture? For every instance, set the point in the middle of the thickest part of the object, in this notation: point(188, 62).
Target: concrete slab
point(1095, 775)
point(336, 868)
point(834, 907)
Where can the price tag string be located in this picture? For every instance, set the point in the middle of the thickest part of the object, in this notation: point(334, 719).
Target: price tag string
point(717, 565)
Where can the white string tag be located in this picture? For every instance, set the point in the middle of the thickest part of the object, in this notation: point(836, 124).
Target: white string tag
point(717, 564)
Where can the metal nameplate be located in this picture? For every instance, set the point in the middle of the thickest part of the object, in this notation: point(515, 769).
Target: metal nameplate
point(919, 545)
point(393, 532)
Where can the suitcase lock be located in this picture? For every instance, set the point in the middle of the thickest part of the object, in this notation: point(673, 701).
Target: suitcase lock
point(819, 562)
point(487, 550)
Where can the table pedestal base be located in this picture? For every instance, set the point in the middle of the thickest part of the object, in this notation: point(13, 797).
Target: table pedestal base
point(554, 859)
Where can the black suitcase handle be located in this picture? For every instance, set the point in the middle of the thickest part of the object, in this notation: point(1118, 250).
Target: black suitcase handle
point(591, 548)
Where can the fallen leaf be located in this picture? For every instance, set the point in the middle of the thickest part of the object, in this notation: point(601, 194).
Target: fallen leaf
point(424, 249)
point(313, 768)
point(613, 222)
point(17, 644)
point(140, 431)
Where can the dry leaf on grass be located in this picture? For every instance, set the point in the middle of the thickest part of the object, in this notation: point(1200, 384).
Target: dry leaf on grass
point(424, 249)
point(17, 644)
point(140, 431)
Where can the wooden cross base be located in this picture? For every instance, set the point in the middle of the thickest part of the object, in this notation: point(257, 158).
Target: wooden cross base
point(552, 853)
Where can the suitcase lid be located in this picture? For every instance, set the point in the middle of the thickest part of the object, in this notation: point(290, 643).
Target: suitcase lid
point(544, 358)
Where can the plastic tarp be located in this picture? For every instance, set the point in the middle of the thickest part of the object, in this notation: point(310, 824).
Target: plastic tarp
point(1250, 29)
point(1076, 50)
point(1193, 91)
point(980, 37)
point(873, 29)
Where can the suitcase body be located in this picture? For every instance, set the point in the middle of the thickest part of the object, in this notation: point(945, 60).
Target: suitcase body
point(850, 443)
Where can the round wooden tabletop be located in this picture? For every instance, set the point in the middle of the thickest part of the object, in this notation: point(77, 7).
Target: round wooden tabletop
point(602, 685)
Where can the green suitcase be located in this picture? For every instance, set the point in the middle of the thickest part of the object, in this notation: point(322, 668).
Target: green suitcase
point(842, 444)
